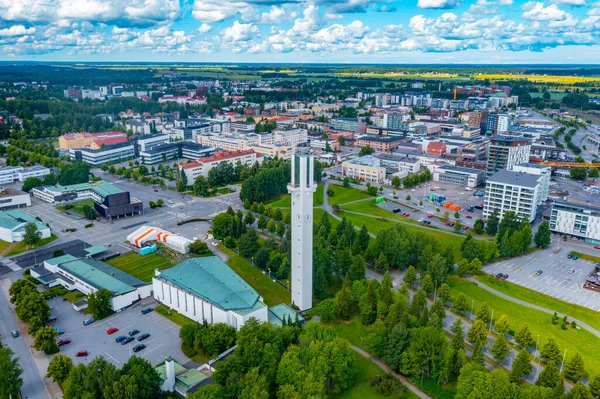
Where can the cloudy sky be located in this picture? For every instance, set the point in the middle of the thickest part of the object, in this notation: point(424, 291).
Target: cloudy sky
point(344, 31)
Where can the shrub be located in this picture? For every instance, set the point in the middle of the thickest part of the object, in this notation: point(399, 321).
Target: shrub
point(387, 385)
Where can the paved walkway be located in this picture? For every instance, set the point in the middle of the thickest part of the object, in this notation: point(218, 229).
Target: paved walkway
point(532, 306)
point(386, 368)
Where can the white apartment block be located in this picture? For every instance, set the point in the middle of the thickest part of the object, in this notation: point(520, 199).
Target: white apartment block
point(512, 191)
point(367, 168)
point(539, 170)
point(201, 167)
point(576, 220)
point(293, 137)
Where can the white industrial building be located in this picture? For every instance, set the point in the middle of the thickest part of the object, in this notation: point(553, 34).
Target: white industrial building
point(512, 191)
point(576, 220)
point(11, 198)
point(12, 226)
point(149, 233)
point(88, 276)
point(206, 289)
point(468, 177)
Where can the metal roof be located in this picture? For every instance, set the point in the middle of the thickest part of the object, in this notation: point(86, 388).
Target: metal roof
point(96, 277)
point(514, 178)
point(212, 280)
point(14, 218)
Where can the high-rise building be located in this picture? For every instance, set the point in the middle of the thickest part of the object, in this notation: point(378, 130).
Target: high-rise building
point(302, 188)
point(512, 191)
point(504, 152)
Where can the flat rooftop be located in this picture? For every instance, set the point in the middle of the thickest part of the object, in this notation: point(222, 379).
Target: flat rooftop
point(515, 178)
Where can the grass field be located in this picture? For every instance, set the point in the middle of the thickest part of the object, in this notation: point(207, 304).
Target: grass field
point(21, 247)
point(285, 201)
point(371, 208)
point(586, 315)
point(139, 266)
point(172, 315)
point(361, 389)
point(539, 78)
point(76, 207)
point(3, 246)
point(272, 293)
point(342, 195)
point(574, 340)
point(554, 95)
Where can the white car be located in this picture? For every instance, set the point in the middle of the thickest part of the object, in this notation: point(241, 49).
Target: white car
point(170, 202)
point(467, 189)
point(461, 193)
point(413, 190)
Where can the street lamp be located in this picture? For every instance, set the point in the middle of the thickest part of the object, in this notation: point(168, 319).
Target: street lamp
point(537, 372)
point(472, 304)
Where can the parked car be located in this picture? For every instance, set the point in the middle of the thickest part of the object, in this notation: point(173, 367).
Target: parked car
point(569, 256)
point(139, 347)
point(147, 310)
point(127, 340)
point(596, 246)
point(81, 354)
point(133, 332)
point(504, 277)
point(143, 337)
point(89, 321)
point(499, 275)
point(155, 190)
point(396, 210)
point(14, 333)
point(51, 318)
point(63, 342)
point(429, 216)
point(539, 272)
point(447, 223)
point(465, 227)
point(575, 257)
point(469, 217)
point(112, 330)
point(120, 338)
point(59, 331)
point(395, 197)
point(50, 296)
point(451, 224)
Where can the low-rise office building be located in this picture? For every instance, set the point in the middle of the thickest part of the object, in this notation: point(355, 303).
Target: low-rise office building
point(467, 177)
point(207, 290)
point(512, 191)
point(399, 162)
point(11, 174)
point(175, 150)
point(109, 153)
point(13, 222)
point(576, 220)
point(85, 139)
point(11, 198)
point(367, 168)
point(380, 143)
point(109, 201)
point(88, 275)
point(324, 144)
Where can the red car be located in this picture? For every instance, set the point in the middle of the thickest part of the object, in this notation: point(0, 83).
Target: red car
point(447, 223)
point(407, 214)
point(82, 354)
point(469, 217)
point(465, 227)
point(63, 342)
point(429, 216)
point(112, 330)
point(596, 247)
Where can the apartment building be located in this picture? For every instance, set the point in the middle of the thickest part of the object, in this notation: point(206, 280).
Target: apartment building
point(576, 220)
point(293, 137)
point(380, 143)
point(401, 163)
point(367, 168)
point(504, 152)
point(538, 170)
point(356, 125)
point(201, 167)
point(512, 191)
point(324, 144)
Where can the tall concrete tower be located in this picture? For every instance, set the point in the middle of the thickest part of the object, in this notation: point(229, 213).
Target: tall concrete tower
point(302, 188)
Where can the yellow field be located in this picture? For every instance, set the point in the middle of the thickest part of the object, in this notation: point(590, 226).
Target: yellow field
point(538, 78)
point(435, 75)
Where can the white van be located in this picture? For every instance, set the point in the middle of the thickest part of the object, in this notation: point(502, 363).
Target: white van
point(467, 188)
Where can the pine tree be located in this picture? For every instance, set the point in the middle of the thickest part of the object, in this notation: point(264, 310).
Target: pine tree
point(444, 293)
point(501, 326)
point(521, 366)
point(579, 391)
point(549, 376)
point(575, 369)
point(386, 291)
point(491, 226)
point(382, 263)
point(550, 352)
point(477, 355)
point(460, 303)
point(368, 312)
point(345, 300)
point(523, 336)
point(427, 284)
point(500, 349)
point(542, 237)
point(410, 276)
point(477, 332)
point(595, 386)
point(483, 313)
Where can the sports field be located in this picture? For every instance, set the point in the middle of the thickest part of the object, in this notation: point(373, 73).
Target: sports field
point(139, 266)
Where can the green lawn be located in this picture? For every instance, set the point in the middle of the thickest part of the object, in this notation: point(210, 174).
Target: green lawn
point(272, 293)
point(584, 314)
point(173, 315)
point(4, 245)
point(361, 389)
point(76, 207)
point(353, 331)
point(342, 195)
point(371, 208)
point(574, 340)
point(285, 201)
point(139, 266)
point(21, 247)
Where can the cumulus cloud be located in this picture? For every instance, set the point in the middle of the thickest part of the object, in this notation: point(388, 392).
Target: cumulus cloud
point(204, 28)
point(239, 32)
point(439, 4)
point(536, 11)
point(16, 30)
point(569, 2)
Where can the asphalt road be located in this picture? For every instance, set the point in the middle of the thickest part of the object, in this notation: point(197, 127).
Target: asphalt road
point(32, 258)
point(33, 385)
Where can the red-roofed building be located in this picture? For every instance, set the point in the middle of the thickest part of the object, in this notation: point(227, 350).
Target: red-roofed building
point(85, 139)
point(201, 167)
point(436, 148)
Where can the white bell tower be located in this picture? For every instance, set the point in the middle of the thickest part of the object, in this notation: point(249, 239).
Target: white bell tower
point(302, 189)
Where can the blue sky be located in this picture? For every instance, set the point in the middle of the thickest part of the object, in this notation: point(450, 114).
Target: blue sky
point(340, 31)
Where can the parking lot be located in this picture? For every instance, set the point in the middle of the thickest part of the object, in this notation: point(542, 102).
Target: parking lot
point(163, 341)
point(561, 277)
